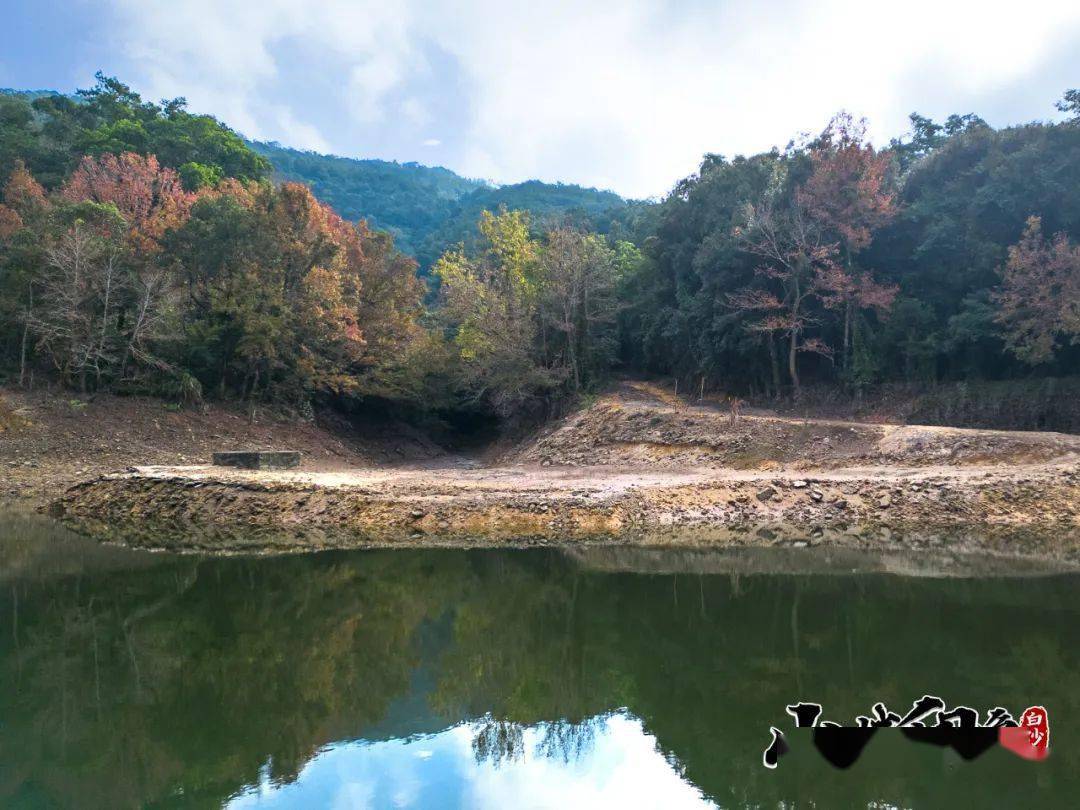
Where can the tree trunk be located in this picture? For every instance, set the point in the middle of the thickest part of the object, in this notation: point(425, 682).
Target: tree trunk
point(104, 321)
point(793, 348)
point(583, 348)
point(249, 395)
point(847, 335)
point(26, 335)
point(22, 353)
point(136, 331)
point(774, 363)
point(849, 304)
point(571, 348)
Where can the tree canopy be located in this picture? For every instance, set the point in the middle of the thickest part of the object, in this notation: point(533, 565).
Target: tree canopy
point(905, 258)
point(50, 134)
point(146, 248)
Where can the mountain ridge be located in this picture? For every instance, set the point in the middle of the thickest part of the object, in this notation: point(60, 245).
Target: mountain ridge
point(426, 208)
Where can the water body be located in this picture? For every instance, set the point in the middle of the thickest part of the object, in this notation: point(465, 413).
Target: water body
point(516, 678)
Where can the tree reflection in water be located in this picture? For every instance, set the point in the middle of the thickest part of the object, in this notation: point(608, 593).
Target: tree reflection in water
point(131, 679)
point(496, 741)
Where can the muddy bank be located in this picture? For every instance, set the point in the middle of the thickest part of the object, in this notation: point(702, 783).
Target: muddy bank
point(1022, 511)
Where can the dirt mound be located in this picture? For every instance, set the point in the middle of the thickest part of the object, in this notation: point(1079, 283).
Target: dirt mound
point(630, 428)
point(57, 438)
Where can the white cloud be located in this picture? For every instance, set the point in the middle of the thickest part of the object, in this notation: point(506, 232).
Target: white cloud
point(415, 112)
point(296, 133)
point(369, 83)
point(627, 95)
point(431, 142)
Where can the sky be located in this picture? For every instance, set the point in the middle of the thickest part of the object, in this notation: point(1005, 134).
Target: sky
point(623, 94)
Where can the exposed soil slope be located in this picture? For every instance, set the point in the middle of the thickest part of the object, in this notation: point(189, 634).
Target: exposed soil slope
point(1028, 510)
point(50, 440)
point(635, 467)
point(639, 425)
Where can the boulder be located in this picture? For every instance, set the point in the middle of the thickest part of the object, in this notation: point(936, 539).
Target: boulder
point(767, 494)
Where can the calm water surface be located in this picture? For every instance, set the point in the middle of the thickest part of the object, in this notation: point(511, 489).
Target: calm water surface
point(506, 678)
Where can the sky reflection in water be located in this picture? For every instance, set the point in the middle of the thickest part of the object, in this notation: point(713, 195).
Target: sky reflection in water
point(620, 766)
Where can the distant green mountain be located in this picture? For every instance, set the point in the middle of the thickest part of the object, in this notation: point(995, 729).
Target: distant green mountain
point(428, 208)
point(406, 199)
point(30, 95)
point(549, 203)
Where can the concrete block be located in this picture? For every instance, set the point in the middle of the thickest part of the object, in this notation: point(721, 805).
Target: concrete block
point(258, 459)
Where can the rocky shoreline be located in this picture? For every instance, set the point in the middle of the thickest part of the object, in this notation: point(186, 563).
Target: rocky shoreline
point(633, 468)
point(1029, 512)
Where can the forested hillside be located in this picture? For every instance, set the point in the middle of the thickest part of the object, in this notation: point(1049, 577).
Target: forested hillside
point(429, 208)
point(50, 133)
point(408, 200)
point(548, 204)
point(144, 248)
point(951, 255)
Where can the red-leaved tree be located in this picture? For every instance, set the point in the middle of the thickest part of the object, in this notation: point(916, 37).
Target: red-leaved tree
point(148, 196)
point(807, 239)
point(1039, 297)
point(121, 288)
point(849, 195)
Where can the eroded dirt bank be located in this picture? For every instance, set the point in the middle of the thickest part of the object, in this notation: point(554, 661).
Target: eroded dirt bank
point(1027, 511)
point(51, 439)
point(635, 467)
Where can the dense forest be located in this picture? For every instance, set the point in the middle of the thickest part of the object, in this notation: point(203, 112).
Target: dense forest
point(147, 249)
point(950, 255)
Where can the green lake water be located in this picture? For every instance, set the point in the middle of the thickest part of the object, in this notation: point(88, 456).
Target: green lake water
point(509, 678)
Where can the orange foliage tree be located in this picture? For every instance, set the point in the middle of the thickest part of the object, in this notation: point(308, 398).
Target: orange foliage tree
point(24, 205)
point(850, 196)
point(288, 298)
point(149, 197)
point(807, 237)
point(23, 200)
point(1039, 297)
